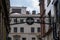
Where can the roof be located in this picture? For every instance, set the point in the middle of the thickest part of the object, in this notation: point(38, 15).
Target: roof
point(15, 14)
point(22, 15)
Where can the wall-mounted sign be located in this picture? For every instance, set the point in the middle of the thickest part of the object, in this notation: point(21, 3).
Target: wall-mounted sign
point(30, 20)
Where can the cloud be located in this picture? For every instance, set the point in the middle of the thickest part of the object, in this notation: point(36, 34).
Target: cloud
point(36, 4)
point(30, 4)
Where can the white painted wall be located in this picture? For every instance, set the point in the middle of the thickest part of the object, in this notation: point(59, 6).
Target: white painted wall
point(27, 28)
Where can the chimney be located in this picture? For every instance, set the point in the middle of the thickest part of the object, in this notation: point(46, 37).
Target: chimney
point(33, 12)
point(38, 13)
point(27, 12)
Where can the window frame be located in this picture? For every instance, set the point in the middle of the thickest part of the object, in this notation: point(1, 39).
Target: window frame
point(21, 20)
point(32, 29)
point(33, 38)
point(15, 20)
point(23, 38)
point(21, 29)
point(15, 29)
point(38, 20)
point(38, 29)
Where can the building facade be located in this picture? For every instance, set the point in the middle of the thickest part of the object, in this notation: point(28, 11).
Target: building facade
point(20, 30)
point(4, 19)
point(49, 7)
point(56, 4)
point(51, 16)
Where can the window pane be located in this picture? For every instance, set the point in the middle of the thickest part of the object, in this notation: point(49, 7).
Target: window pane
point(15, 29)
point(38, 20)
point(21, 20)
point(21, 29)
point(15, 20)
point(23, 38)
point(38, 29)
point(32, 29)
point(33, 38)
point(39, 39)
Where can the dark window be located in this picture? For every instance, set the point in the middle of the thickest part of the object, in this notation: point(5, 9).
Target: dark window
point(16, 10)
point(15, 29)
point(21, 20)
point(48, 2)
point(32, 29)
point(15, 20)
point(9, 38)
point(23, 38)
point(38, 20)
point(38, 29)
point(21, 29)
point(33, 38)
point(16, 37)
point(39, 39)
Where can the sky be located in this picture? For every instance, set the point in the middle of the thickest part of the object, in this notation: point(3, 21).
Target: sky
point(30, 4)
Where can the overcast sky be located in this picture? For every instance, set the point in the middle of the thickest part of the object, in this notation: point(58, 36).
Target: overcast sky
point(30, 4)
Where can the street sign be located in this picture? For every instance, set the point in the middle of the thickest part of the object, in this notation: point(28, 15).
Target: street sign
point(29, 20)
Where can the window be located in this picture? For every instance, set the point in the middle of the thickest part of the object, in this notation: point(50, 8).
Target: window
point(16, 37)
point(21, 20)
point(38, 29)
point(21, 29)
point(9, 38)
point(48, 2)
point(15, 20)
point(15, 29)
point(38, 20)
point(32, 29)
point(16, 10)
point(23, 38)
point(33, 38)
point(39, 39)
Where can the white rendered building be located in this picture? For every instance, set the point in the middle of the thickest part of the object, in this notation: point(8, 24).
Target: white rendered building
point(20, 30)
